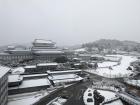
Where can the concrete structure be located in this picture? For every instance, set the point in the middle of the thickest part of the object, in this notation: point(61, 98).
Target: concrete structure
point(3, 85)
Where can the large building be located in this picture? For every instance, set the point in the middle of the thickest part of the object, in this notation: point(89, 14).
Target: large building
point(45, 50)
point(4, 85)
point(40, 50)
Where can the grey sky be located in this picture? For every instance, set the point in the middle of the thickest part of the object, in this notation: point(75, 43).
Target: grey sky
point(69, 22)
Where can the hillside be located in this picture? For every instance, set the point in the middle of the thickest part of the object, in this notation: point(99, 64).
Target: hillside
point(114, 44)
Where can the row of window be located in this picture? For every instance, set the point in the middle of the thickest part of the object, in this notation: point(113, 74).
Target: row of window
point(4, 94)
point(4, 100)
point(3, 87)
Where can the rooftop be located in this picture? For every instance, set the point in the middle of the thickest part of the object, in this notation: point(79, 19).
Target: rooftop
point(43, 41)
point(63, 76)
point(33, 83)
point(30, 66)
point(47, 64)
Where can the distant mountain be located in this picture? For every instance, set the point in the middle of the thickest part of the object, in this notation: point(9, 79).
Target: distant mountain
point(114, 44)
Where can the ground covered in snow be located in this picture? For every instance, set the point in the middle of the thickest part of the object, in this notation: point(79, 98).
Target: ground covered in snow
point(26, 99)
point(116, 71)
point(133, 82)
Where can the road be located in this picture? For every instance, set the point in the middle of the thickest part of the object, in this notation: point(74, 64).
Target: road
point(75, 92)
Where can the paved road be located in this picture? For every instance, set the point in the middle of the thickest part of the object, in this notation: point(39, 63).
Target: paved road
point(76, 94)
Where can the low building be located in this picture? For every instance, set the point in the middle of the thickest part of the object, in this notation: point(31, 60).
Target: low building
point(4, 85)
point(64, 79)
point(30, 85)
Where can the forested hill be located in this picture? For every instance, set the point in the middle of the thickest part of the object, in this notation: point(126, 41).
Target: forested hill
point(114, 44)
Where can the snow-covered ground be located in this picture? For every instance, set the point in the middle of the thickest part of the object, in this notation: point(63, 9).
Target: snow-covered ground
point(107, 64)
point(107, 94)
point(27, 99)
point(133, 82)
point(117, 102)
point(117, 71)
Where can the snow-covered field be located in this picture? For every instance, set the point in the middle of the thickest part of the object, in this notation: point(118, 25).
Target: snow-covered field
point(117, 71)
point(107, 64)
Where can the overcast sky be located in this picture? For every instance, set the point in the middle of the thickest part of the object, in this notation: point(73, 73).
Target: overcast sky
point(69, 22)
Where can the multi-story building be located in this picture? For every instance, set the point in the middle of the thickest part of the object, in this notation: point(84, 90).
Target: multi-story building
point(45, 50)
point(4, 85)
point(41, 50)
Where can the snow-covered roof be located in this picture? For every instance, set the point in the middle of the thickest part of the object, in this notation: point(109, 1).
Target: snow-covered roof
point(3, 70)
point(47, 64)
point(18, 70)
point(30, 66)
point(43, 41)
point(68, 80)
point(80, 50)
point(33, 83)
point(14, 78)
point(63, 77)
point(97, 55)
